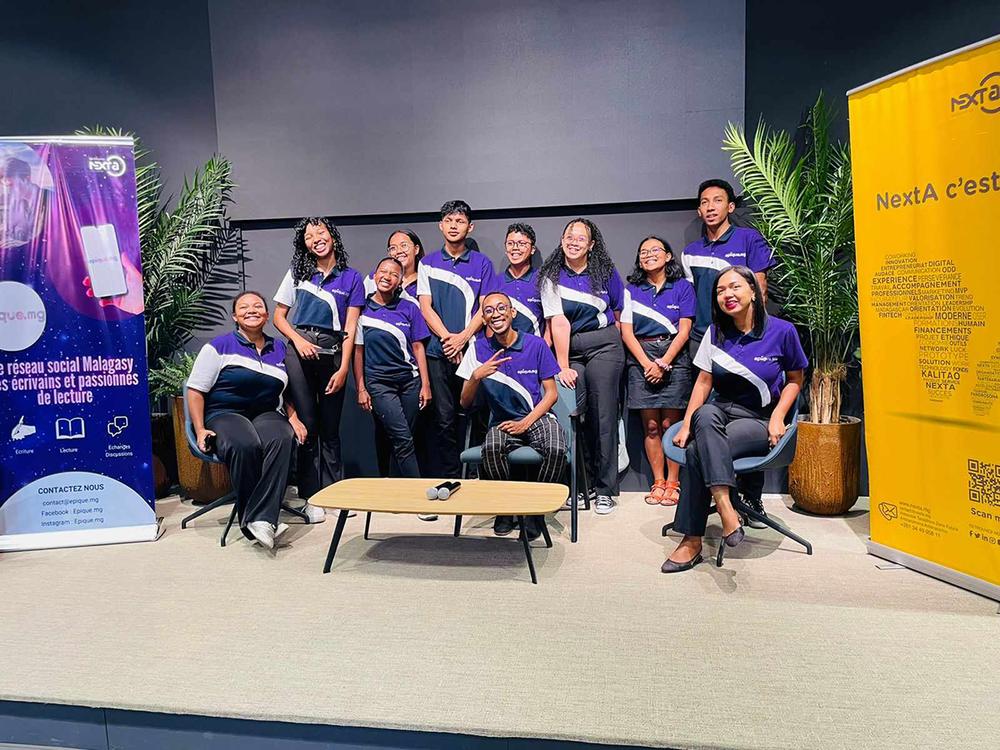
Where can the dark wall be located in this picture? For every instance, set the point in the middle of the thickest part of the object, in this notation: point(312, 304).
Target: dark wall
point(144, 67)
point(794, 50)
point(396, 106)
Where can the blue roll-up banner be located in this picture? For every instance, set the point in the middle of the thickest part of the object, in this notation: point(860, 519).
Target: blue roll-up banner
point(75, 440)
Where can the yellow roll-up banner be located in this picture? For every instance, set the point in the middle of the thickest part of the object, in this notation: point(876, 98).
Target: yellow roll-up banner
point(925, 150)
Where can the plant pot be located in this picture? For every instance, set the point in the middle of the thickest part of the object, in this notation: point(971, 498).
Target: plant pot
point(199, 479)
point(165, 452)
point(825, 476)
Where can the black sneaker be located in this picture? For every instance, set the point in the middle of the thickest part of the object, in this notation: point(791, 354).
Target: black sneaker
point(533, 527)
point(581, 501)
point(503, 525)
point(755, 504)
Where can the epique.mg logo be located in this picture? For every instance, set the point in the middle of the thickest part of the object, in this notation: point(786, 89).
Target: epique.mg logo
point(22, 316)
point(113, 165)
point(986, 96)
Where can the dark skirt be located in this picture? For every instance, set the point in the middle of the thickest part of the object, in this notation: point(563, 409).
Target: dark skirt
point(672, 392)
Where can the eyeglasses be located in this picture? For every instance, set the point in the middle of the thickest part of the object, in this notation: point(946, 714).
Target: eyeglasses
point(501, 309)
point(522, 244)
point(649, 252)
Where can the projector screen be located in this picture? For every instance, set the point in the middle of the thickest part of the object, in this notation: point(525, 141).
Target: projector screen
point(385, 106)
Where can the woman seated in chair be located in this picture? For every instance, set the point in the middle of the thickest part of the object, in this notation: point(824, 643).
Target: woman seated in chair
point(754, 363)
point(234, 398)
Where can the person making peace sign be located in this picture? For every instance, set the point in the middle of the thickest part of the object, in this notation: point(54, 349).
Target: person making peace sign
point(517, 370)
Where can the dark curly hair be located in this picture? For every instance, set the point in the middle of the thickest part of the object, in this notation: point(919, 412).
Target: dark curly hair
point(521, 228)
point(303, 261)
point(599, 263)
point(673, 268)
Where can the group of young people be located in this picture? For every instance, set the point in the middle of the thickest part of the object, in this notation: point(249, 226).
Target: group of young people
point(438, 339)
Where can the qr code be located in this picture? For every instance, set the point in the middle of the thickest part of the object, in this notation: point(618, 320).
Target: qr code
point(984, 482)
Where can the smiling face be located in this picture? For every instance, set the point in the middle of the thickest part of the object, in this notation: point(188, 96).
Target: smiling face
point(455, 227)
point(388, 277)
point(250, 313)
point(653, 256)
point(519, 248)
point(498, 312)
point(714, 206)
point(576, 241)
point(733, 294)
point(401, 248)
point(318, 240)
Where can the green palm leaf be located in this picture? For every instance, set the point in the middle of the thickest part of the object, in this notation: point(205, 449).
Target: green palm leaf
point(803, 206)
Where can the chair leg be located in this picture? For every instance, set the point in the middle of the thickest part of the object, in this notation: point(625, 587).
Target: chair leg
point(229, 497)
point(545, 531)
point(229, 525)
point(765, 519)
point(458, 525)
point(295, 512)
point(368, 523)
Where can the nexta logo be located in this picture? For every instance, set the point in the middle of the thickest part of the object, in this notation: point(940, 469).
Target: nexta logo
point(112, 165)
point(986, 97)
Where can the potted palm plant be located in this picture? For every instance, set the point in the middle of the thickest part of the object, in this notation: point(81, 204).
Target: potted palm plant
point(191, 267)
point(803, 205)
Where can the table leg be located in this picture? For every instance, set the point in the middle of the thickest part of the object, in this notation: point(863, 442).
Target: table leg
point(337, 532)
point(545, 531)
point(368, 523)
point(458, 525)
point(527, 550)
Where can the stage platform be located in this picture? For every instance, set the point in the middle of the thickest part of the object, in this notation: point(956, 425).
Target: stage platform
point(419, 639)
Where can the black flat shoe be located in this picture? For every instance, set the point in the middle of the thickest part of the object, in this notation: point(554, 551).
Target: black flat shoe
point(734, 539)
point(669, 566)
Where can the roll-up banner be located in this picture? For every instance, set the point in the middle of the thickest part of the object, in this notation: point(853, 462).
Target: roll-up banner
point(925, 149)
point(75, 442)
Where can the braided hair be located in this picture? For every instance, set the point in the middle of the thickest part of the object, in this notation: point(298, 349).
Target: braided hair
point(599, 263)
point(303, 261)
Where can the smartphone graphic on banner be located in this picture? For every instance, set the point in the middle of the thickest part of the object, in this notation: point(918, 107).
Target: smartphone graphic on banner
point(104, 260)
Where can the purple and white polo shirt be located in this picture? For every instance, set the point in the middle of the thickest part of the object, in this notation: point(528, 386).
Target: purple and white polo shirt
point(454, 286)
point(527, 301)
point(387, 333)
point(516, 387)
point(236, 379)
point(585, 309)
point(703, 259)
point(750, 370)
point(655, 313)
point(322, 301)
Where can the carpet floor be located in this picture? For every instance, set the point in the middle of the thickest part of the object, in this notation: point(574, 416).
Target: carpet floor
point(417, 630)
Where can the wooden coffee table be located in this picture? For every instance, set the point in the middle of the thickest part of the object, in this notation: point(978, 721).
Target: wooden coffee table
point(478, 497)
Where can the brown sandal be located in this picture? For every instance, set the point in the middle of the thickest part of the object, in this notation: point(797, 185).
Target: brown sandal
point(657, 493)
point(672, 493)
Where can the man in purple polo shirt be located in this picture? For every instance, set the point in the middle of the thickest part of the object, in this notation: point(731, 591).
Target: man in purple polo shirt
point(517, 371)
point(721, 245)
point(451, 284)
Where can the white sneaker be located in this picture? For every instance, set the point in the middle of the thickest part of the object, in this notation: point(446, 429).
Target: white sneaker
point(604, 505)
point(263, 532)
point(427, 517)
point(280, 529)
point(314, 514)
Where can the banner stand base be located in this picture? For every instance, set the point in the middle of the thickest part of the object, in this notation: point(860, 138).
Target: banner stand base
point(975, 585)
point(82, 538)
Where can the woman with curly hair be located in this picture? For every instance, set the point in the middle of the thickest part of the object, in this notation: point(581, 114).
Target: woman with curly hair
point(326, 297)
point(656, 322)
point(582, 296)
